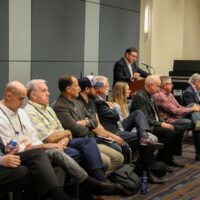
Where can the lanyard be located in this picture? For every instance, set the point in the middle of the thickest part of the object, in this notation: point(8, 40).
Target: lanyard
point(16, 132)
point(41, 113)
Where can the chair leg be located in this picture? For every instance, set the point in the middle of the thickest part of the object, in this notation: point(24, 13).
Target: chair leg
point(77, 191)
point(10, 196)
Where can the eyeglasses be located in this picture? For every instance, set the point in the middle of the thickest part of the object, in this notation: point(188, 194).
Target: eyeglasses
point(169, 83)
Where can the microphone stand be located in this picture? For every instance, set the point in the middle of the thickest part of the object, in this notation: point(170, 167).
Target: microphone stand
point(149, 69)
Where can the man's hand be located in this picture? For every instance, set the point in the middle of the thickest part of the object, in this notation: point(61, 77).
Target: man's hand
point(11, 151)
point(118, 139)
point(110, 104)
point(84, 122)
point(195, 108)
point(166, 125)
point(52, 146)
point(10, 160)
point(68, 134)
point(136, 75)
point(64, 142)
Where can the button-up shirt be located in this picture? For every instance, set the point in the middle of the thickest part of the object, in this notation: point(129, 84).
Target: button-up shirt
point(129, 67)
point(169, 109)
point(17, 125)
point(43, 119)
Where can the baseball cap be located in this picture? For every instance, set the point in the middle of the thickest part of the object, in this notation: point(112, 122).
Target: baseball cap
point(89, 81)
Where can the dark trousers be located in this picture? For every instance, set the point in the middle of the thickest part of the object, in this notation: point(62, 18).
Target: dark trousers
point(40, 169)
point(138, 120)
point(14, 179)
point(172, 140)
point(187, 124)
point(130, 137)
point(89, 151)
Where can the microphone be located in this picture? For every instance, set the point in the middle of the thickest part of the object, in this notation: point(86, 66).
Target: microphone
point(143, 63)
point(148, 67)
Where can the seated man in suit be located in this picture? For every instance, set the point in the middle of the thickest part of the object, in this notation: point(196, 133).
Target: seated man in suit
point(190, 97)
point(169, 135)
point(15, 123)
point(126, 69)
point(74, 117)
point(191, 93)
point(171, 111)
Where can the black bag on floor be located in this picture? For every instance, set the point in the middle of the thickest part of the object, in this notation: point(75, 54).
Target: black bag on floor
point(158, 169)
point(127, 178)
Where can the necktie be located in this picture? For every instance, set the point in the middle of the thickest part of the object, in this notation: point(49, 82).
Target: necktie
point(154, 109)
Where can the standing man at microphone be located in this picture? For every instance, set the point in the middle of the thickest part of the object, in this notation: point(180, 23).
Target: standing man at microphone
point(126, 69)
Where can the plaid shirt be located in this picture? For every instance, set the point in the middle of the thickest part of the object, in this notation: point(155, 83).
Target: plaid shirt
point(169, 109)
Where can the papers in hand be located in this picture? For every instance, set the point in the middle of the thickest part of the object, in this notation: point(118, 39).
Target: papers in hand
point(105, 139)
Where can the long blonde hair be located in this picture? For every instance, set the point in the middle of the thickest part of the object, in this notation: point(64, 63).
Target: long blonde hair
point(119, 97)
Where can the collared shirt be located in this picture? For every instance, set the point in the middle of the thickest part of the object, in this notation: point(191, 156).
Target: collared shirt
point(129, 66)
point(18, 124)
point(43, 119)
point(169, 109)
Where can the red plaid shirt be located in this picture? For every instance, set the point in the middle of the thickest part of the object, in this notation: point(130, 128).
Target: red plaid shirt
point(169, 109)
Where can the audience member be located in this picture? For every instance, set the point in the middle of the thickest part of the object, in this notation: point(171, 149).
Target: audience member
point(169, 135)
point(21, 171)
point(126, 69)
point(74, 116)
point(191, 93)
point(190, 97)
point(87, 85)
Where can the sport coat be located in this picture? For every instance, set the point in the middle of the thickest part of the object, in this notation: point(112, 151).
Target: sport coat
point(190, 96)
point(142, 100)
point(107, 117)
point(69, 112)
point(121, 71)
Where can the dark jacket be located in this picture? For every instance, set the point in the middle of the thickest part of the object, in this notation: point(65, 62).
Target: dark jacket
point(121, 71)
point(107, 117)
point(68, 112)
point(190, 96)
point(142, 100)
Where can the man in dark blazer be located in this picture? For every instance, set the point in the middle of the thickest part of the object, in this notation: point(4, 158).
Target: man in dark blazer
point(168, 134)
point(126, 69)
point(189, 97)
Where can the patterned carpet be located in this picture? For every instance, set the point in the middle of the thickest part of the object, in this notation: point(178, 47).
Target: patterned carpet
point(182, 184)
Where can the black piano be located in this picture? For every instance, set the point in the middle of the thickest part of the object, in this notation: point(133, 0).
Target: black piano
point(182, 70)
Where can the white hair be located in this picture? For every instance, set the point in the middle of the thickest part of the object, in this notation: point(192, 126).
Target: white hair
point(152, 79)
point(195, 77)
point(32, 84)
